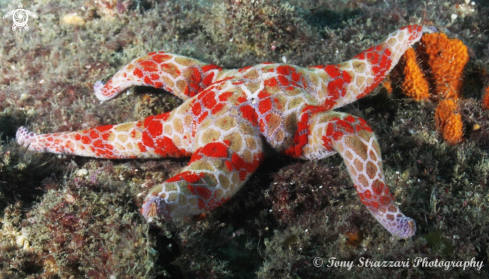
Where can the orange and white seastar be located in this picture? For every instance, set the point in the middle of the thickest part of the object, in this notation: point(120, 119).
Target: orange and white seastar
point(226, 117)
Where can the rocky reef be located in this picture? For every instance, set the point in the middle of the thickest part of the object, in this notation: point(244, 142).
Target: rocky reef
point(74, 217)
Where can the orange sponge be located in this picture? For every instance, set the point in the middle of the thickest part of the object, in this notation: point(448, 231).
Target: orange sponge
point(485, 102)
point(449, 121)
point(387, 85)
point(446, 59)
point(414, 85)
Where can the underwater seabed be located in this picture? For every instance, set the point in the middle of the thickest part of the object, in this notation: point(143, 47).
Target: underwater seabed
point(75, 217)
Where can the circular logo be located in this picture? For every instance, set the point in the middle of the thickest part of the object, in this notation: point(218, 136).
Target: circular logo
point(20, 18)
point(317, 262)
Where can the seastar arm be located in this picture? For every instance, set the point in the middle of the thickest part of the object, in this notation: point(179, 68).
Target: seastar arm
point(184, 77)
point(216, 171)
point(356, 78)
point(352, 138)
point(138, 139)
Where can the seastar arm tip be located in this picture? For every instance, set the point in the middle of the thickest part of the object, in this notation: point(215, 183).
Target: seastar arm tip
point(429, 29)
point(97, 88)
point(354, 140)
point(184, 77)
point(353, 79)
point(216, 171)
point(24, 137)
point(137, 139)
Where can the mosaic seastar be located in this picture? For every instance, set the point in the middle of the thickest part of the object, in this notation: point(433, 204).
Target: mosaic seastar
point(227, 116)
